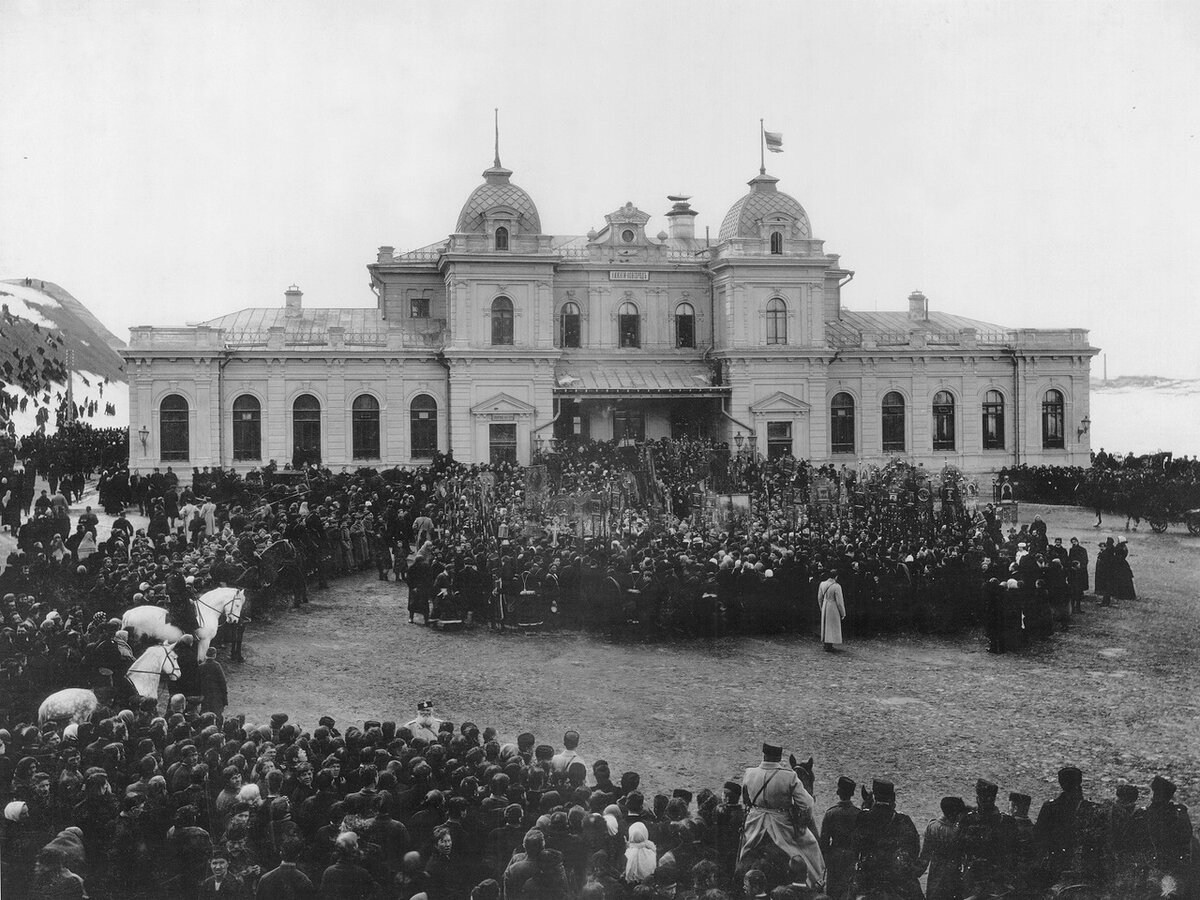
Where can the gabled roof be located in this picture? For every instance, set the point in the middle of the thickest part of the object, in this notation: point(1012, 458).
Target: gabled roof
point(847, 331)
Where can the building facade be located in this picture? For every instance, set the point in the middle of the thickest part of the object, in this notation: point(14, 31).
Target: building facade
point(501, 338)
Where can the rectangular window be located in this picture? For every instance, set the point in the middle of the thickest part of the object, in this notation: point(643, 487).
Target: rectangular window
point(993, 427)
point(247, 435)
point(630, 332)
point(502, 443)
point(419, 308)
point(174, 438)
point(424, 433)
point(685, 331)
point(629, 423)
point(779, 439)
point(893, 430)
point(365, 435)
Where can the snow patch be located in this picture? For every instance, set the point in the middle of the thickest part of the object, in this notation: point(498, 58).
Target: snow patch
point(25, 302)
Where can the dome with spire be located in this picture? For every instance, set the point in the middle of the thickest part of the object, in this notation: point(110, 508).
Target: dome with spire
point(500, 196)
point(764, 205)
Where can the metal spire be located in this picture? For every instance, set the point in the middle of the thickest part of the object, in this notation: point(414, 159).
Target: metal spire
point(496, 110)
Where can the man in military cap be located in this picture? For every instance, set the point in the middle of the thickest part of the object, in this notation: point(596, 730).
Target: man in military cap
point(1025, 847)
point(1170, 829)
point(988, 839)
point(424, 726)
point(887, 846)
point(837, 838)
point(1129, 840)
point(780, 810)
point(730, 818)
point(941, 852)
point(1066, 831)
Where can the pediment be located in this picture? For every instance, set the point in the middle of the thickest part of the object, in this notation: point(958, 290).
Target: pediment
point(502, 405)
point(781, 402)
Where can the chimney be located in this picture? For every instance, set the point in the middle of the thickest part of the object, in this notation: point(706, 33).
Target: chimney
point(386, 254)
point(682, 219)
point(291, 301)
point(918, 306)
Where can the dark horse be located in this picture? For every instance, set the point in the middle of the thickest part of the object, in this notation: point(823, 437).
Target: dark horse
point(282, 568)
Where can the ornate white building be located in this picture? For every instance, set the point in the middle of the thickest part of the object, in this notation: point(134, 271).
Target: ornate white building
point(501, 336)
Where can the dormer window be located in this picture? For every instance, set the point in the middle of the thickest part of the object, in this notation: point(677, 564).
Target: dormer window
point(776, 243)
point(501, 238)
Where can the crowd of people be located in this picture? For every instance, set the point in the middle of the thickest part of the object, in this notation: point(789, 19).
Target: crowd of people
point(649, 555)
point(143, 804)
point(1134, 488)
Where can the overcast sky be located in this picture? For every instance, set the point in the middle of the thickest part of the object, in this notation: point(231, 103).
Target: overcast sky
point(1027, 164)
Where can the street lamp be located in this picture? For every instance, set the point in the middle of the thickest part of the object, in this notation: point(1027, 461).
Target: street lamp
point(537, 443)
point(144, 434)
point(1084, 427)
point(738, 439)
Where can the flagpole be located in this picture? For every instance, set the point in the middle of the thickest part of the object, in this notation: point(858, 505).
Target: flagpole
point(762, 153)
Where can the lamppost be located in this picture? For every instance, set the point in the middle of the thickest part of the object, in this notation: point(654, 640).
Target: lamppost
point(144, 434)
point(738, 440)
point(1085, 426)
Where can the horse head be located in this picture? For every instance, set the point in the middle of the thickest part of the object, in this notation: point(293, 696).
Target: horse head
point(805, 772)
point(170, 662)
point(233, 609)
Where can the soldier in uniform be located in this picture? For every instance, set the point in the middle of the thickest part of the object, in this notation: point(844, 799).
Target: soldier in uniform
point(730, 818)
point(424, 726)
point(837, 838)
point(1024, 848)
point(988, 844)
point(780, 810)
point(1066, 832)
point(941, 852)
point(887, 846)
point(1170, 829)
point(1129, 841)
point(227, 574)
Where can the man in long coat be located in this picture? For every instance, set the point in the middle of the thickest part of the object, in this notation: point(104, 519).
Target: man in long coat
point(833, 610)
point(780, 810)
point(214, 690)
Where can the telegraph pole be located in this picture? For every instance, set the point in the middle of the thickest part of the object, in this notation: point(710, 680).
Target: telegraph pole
point(70, 386)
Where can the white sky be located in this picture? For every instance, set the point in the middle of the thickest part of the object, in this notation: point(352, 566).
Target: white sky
point(1027, 164)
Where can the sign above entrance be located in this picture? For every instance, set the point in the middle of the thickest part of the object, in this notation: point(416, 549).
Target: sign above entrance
point(627, 275)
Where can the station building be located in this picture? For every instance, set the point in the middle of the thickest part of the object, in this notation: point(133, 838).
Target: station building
point(501, 338)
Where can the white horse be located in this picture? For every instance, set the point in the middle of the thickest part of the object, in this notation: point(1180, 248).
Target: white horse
point(73, 704)
point(151, 621)
point(148, 668)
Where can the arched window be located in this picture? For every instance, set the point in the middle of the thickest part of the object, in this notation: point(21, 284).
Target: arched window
point(685, 325)
point(423, 426)
point(629, 325)
point(568, 325)
point(501, 238)
point(502, 322)
point(173, 431)
point(841, 423)
point(943, 421)
point(776, 321)
point(993, 421)
point(1053, 421)
point(247, 427)
point(306, 430)
point(893, 422)
point(776, 243)
point(365, 427)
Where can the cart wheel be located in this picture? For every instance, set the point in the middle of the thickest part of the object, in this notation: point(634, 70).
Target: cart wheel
point(1158, 525)
point(1193, 525)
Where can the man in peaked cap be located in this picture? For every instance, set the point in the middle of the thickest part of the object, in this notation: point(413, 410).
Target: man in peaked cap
point(780, 810)
point(837, 838)
point(424, 726)
point(1066, 829)
point(888, 847)
point(1170, 829)
point(988, 839)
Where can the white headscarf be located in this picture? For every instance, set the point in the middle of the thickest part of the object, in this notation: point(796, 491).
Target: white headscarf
point(16, 811)
point(641, 856)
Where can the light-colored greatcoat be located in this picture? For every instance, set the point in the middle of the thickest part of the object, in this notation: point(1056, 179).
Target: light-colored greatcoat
point(833, 610)
point(772, 789)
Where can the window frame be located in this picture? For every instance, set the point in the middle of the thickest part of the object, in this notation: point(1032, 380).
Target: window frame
point(776, 243)
point(944, 433)
point(174, 428)
point(502, 451)
point(501, 238)
point(567, 329)
point(310, 422)
point(247, 422)
point(422, 421)
point(418, 308)
point(1054, 418)
point(688, 322)
point(992, 412)
point(777, 322)
point(503, 317)
point(842, 422)
point(888, 416)
point(629, 338)
point(365, 428)
point(629, 416)
point(779, 446)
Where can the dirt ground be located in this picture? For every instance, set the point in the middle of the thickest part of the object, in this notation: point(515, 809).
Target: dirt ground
point(1117, 695)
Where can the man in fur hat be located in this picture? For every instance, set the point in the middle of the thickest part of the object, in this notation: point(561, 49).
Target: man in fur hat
point(424, 726)
point(780, 810)
point(888, 846)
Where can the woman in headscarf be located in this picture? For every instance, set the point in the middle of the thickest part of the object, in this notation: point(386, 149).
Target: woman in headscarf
point(641, 856)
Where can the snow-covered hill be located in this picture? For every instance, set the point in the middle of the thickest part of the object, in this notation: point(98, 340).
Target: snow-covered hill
point(39, 323)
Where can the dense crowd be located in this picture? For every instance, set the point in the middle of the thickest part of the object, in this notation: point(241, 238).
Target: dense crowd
point(138, 804)
point(158, 800)
point(1134, 488)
